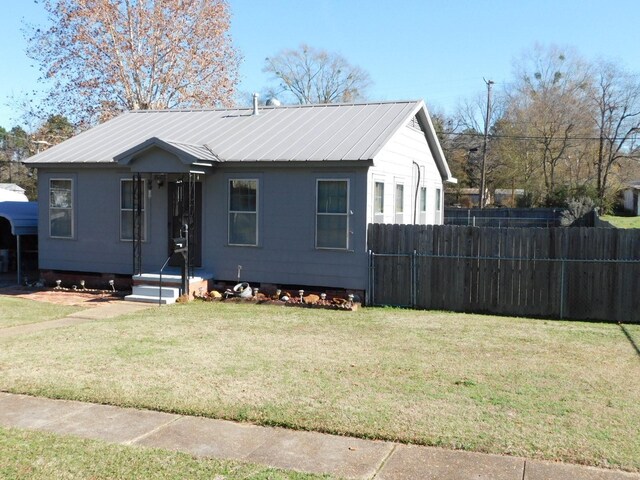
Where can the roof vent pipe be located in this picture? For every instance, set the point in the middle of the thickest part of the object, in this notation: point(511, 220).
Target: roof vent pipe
point(255, 103)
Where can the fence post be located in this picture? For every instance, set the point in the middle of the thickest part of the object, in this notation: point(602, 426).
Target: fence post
point(371, 279)
point(562, 289)
point(414, 279)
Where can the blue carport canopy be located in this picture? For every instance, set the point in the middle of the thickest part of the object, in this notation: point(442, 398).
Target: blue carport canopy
point(22, 216)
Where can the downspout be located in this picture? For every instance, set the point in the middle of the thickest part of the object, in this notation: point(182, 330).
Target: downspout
point(415, 199)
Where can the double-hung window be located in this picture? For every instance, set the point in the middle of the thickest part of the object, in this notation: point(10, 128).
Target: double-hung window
point(127, 209)
point(332, 214)
point(399, 217)
point(423, 205)
point(243, 212)
point(61, 208)
point(378, 202)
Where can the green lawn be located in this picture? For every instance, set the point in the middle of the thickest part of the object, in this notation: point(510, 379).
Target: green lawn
point(545, 389)
point(622, 222)
point(19, 311)
point(36, 455)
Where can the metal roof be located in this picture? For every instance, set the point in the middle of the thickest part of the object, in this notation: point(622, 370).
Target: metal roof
point(300, 133)
point(185, 151)
point(23, 217)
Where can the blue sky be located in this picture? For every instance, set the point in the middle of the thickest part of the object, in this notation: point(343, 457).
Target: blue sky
point(434, 50)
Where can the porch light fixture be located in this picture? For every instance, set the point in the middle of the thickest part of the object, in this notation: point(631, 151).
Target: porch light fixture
point(159, 180)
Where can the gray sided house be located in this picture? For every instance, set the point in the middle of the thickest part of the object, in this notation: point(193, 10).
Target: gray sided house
point(285, 192)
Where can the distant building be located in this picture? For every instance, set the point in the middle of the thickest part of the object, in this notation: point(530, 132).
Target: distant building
point(631, 194)
point(507, 197)
point(470, 197)
point(462, 197)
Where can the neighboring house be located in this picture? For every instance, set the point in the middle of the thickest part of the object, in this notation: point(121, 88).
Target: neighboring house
point(10, 192)
point(284, 192)
point(507, 196)
point(631, 194)
point(465, 197)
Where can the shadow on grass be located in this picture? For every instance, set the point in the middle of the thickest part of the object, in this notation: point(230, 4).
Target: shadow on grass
point(630, 338)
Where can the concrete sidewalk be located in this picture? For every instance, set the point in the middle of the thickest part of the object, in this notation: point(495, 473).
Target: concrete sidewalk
point(107, 310)
point(304, 451)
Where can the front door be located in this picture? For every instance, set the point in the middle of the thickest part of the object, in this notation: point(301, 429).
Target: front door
point(178, 209)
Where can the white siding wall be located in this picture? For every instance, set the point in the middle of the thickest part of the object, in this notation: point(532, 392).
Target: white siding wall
point(393, 165)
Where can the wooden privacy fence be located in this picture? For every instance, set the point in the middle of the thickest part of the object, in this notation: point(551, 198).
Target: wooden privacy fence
point(573, 273)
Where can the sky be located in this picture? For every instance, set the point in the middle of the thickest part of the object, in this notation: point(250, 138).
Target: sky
point(438, 51)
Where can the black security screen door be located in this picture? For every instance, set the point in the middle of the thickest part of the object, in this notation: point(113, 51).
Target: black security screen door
point(185, 206)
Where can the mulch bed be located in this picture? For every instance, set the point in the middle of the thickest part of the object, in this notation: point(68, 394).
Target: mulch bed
point(294, 302)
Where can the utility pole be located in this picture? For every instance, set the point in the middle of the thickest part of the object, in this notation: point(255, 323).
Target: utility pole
point(483, 180)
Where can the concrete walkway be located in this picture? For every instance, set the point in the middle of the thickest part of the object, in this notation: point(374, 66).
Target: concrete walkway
point(303, 451)
point(107, 310)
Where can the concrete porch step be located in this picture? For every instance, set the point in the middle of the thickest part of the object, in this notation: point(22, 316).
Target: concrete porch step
point(146, 287)
point(156, 291)
point(167, 279)
point(152, 293)
point(148, 299)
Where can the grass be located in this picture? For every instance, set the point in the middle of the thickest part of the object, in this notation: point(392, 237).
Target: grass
point(19, 311)
point(36, 455)
point(551, 390)
point(622, 222)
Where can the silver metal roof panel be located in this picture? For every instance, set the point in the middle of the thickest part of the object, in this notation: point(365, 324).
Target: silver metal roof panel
point(333, 132)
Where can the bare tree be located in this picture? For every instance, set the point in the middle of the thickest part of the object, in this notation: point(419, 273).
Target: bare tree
point(312, 75)
point(616, 97)
point(471, 116)
point(549, 104)
point(106, 56)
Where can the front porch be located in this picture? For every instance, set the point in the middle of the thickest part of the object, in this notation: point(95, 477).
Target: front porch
point(166, 288)
point(173, 172)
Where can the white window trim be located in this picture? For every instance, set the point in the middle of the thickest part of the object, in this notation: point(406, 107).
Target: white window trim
point(438, 202)
point(346, 214)
point(144, 209)
point(423, 188)
point(72, 209)
point(229, 211)
point(375, 182)
point(397, 183)
point(395, 197)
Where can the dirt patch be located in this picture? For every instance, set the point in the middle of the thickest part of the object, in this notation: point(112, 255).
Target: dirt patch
point(61, 297)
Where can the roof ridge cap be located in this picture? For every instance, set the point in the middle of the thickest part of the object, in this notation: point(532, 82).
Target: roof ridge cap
point(272, 107)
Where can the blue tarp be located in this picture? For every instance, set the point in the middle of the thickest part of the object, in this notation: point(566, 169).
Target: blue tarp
point(23, 217)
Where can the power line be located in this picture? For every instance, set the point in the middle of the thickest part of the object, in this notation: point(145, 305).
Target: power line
point(529, 137)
